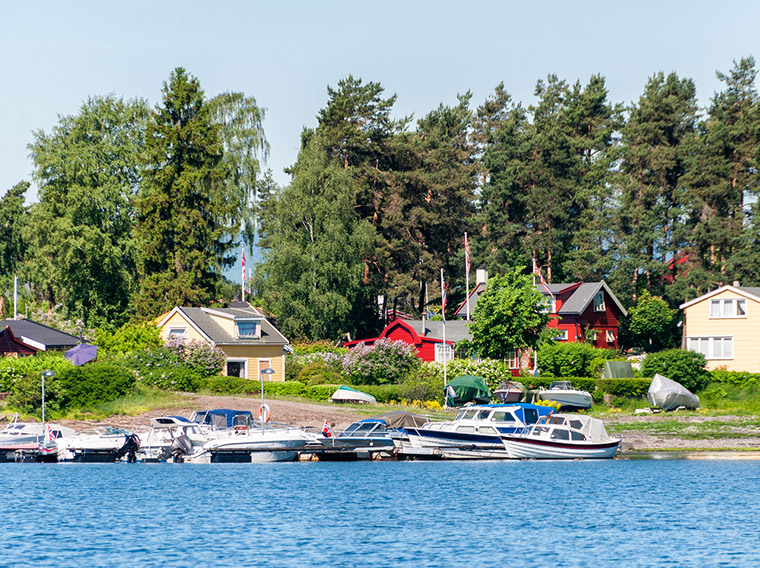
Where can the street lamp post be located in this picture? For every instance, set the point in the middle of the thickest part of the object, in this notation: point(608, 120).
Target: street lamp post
point(48, 375)
point(267, 371)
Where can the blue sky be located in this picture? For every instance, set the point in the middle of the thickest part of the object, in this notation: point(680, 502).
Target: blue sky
point(53, 55)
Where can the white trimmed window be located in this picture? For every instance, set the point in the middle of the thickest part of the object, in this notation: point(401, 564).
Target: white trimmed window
point(561, 335)
point(548, 306)
point(728, 308)
point(712, 347)
point(610, 337)
point(599, 305)
point(512, 360)
point(443, 352)
point(178, 332)
point(247, 329)
point(237, 368)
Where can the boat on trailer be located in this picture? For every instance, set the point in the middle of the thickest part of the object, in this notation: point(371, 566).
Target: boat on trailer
point(563, 436)
point(567, 397)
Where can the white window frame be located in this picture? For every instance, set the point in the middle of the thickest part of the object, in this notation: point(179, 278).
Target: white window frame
point(440, 352)
point(727, 308)
point(242, 360)
point(177, 331)
point(513, 360)
point(610, 336)
point(549, 306)
point(599, 303)
point(562, 335)
point(713, 348)
point(256, 334)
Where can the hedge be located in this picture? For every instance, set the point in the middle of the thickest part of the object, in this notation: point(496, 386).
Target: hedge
point(736, 378)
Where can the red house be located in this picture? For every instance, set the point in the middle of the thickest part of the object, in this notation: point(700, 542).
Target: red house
point(11, 346)
point(577, 311)
point(425, 335)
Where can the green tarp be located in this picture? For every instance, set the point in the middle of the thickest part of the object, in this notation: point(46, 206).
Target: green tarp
point(617, 370)
point(467, 388)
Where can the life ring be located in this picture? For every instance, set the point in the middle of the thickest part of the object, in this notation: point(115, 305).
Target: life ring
point(265, 413)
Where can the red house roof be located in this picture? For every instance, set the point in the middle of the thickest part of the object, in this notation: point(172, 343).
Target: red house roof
point(10, 344)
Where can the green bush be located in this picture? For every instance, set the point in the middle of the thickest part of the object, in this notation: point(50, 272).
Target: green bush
point(324, 346)
point(318, 373)
point(230, 385)
point(563, 359)
point(293, 367)
point(320, 392)
point(287, 388)
point(94, 383)
point(128, 338)
point(163, 368)
point(385, 362)
point(628, 388)
point(27, 394)
point(382, 393)
point(492, 370)
point(736, 378)
point(426, 384)
point(684, 367)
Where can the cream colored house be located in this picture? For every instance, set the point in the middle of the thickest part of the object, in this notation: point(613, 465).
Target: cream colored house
point(250, 342)
point(724, 325)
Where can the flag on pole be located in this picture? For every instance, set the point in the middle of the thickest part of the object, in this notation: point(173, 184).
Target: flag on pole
point(443, 296)
point(326, 430)
point(50, 434)
point(467, 253)
point(242, 284)
point(542, 280)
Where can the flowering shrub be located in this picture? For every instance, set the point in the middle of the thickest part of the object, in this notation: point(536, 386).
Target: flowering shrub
point(492, 370)
point(197, 355)
point(53, 318)
point(164, 369)
point(385, 362)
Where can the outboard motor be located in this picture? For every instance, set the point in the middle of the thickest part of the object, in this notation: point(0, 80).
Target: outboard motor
point(179, 448)
point(129, 449)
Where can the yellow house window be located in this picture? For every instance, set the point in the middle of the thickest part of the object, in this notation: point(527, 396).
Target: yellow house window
point(178, 332)
point(247, 329)
point(712, 347)
point(728, 308)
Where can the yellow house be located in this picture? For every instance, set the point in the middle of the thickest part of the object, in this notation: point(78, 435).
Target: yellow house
point(250, 342)
point(724, 325)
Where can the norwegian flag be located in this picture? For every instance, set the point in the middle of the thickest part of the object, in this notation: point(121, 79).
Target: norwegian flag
point(467, 253)
point(544, 284)
point(443, 296)
point(243, 251)
point(326, 430)
point(50, 433)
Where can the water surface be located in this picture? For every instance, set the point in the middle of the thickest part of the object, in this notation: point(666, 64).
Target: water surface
point(383, 514)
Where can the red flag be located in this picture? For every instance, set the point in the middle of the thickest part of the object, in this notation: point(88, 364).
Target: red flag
point(467, 253)
point(443, 296)
point(243, 251)
point(326, 430)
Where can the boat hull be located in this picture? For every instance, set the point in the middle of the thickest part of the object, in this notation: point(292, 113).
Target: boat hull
point(568, 400)
point(532, 448)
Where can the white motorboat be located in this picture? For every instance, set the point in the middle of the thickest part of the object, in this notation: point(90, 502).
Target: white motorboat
point(98, 444)
point(364, 439)
point(347, 394)
point(265, 442)
point(568, 398)
point(563, 436)
point(476, 432)
point(173, 438)
point(30, 437)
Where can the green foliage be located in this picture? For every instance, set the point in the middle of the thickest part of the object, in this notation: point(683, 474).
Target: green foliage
point(187, 221)
point(565, 359)
point(684, 367)
point(382, 393)
point(94, 383)
point(13, 218)
point(230, 385)
point(164, 369)
point(385, 362)
point(426, 384)
point(735, 378)
point(12, 369)
point(81, 253)
point(652, 324)
point(508, 316)
point(492, 370)
point(318, 374)
point(312, 347)
point(128, 338)
point(628, 388)
point(199, 356)
point(320, 392)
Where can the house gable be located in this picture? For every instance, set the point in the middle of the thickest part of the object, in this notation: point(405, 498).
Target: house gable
point(11, 345)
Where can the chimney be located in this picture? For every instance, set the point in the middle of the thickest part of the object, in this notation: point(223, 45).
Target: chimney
point(481, 276)
point(736, 284)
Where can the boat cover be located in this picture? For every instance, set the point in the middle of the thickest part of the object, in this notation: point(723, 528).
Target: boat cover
point(223, 417)
point(347, 394)
point(401, 419)
point(468, 388)
point(617, 370)
point(669, 395)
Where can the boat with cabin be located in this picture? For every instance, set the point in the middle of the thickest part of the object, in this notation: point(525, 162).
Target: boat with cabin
point(98, 444)
point(475, 433)
point(33, 440)
point(563, 436)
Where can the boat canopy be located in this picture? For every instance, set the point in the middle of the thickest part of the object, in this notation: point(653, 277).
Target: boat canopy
point(467, 388)
point(223, 417)
point(401, 419)
point(617, 370)
point(669, 395)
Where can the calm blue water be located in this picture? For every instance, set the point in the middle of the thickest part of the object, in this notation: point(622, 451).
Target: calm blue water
point(386, 514)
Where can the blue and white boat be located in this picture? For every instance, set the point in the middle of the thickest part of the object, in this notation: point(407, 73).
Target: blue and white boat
point(475, 433)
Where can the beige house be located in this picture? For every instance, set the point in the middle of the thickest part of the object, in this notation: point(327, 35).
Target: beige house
point(250, 342)
point(724, 325)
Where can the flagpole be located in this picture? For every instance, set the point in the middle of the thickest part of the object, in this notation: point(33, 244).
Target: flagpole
point(443, 313)
point(242, 285)
point(467, 273)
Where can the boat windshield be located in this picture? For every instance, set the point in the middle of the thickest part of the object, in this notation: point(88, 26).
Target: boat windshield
point(502, 416)
point(467, 414)
point(360, 429)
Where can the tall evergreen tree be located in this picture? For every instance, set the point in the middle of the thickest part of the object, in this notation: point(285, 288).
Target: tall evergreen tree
point(655, 144)
point(81, 252)
point(187, 221)
point(723, 187)
point(13, 219)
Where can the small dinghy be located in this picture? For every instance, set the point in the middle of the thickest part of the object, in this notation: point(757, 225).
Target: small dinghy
point(347, 394)
point(568, 398)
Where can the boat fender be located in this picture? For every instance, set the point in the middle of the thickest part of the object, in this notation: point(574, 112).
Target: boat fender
point(265, 413)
